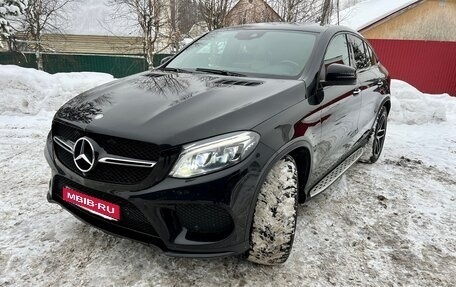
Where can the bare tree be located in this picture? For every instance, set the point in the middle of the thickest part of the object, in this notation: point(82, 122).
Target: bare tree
point(42, 16)
point(349, 3)
point(338, 11)
point(214, 12)
point(295, 11)
point(154, 20)
point(186, 20)
point(326, 12)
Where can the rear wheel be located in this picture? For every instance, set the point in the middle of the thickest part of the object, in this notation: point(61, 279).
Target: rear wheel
point(374, 147)
point(274, 221)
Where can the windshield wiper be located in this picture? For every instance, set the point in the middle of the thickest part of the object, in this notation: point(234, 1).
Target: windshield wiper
point(219, 72)
point(177, 70)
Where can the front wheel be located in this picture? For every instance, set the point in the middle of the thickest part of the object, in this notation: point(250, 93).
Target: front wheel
point(274, 221)
point(376, 141)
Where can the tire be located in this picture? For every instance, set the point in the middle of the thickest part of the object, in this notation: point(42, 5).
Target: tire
point(374, 146)
point(274, 221)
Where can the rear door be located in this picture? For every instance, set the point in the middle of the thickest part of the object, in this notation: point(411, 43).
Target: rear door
point(340, 110)
point(372, 81)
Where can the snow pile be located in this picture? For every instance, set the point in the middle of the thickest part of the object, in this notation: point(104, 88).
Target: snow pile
point(28, 91)
point(410, 106)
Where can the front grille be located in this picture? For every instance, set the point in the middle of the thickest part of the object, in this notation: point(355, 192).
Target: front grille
point(130, 216)
point(204, 221)
point(113, 145)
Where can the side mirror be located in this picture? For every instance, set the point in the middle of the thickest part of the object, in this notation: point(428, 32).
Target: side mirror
point(338, 74)
point(165, 59)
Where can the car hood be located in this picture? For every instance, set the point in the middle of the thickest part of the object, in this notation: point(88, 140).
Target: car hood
point(176, 108)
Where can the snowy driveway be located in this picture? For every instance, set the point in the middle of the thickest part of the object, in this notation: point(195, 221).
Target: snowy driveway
point(388, 224)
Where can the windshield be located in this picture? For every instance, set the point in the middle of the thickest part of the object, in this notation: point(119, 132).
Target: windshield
point(250, 52)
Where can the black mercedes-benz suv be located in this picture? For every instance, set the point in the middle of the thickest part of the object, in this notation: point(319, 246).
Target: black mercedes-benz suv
point(210, 153)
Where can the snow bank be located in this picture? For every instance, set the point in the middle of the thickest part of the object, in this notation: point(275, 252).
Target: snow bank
point(27, 91)
point(410, 106)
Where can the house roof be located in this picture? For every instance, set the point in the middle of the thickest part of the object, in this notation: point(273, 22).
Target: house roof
point(266, 5)
point(369, 12)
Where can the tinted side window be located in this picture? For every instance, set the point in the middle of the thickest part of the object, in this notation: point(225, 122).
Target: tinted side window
point(337, 51)
point(373, 59)
point(361, 56)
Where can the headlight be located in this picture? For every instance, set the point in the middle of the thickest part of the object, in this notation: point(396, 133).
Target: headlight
point(214, 154)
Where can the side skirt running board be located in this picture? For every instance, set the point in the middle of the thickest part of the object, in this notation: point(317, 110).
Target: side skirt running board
point(337, 172)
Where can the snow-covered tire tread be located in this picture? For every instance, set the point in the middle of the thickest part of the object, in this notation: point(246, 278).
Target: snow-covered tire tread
point(274, 221)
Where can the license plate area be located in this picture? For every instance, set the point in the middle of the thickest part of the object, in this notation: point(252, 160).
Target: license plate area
point(92, 204)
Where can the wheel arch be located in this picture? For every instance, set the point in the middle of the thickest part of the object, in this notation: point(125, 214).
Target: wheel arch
point(301, 155)
point(300, 150)
point(387, 104)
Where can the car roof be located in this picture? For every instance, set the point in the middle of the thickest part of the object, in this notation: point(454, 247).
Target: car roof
point(307, 27)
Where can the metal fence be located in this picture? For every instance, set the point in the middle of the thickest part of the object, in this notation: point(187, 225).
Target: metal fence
point(430, 66)
point(117, 65)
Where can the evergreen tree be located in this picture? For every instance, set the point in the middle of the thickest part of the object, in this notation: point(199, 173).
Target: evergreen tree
point(9, 9)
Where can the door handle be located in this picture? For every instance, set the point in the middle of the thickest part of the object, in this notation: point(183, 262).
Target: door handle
point(356, 92)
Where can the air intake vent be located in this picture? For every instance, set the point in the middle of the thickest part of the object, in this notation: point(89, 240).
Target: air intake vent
point(237, 83)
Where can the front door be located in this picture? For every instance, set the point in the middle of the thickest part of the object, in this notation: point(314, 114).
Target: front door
point(340, 111)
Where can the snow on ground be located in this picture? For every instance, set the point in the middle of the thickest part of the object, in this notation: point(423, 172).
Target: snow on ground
point(387, 224)
point(28, 91)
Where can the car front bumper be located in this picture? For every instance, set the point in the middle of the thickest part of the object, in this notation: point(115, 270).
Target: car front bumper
point(206, 216)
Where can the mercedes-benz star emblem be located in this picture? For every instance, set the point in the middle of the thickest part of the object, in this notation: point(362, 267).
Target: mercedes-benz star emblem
point(84, 154)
